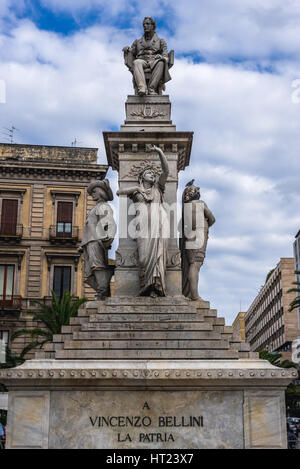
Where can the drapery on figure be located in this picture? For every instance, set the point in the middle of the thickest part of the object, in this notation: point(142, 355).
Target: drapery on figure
point(149, 61)
point(152, 231)
point(192, 223)
point(98, 235)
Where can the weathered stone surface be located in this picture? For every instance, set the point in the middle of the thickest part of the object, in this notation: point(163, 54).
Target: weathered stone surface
point(153, 334)
point(265, 424)
point(146, 354)
point(148, 344)
point(222, 414)
point(28, 419)
point(214, 389)
point(144, 326)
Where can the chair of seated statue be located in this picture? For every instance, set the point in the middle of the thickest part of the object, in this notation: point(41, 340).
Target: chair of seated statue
point(128, 59)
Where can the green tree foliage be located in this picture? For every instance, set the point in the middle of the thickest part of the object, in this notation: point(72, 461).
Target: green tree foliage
point(269, 275)
point(53, 317)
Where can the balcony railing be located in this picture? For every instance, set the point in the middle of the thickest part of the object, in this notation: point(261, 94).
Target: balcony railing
point(10, 302)
point(11, 231)
point(63, 232)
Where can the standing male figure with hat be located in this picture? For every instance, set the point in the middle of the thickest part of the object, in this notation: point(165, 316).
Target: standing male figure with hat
point(98, 236)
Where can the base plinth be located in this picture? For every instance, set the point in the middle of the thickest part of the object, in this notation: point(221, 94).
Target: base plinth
point(146, 404)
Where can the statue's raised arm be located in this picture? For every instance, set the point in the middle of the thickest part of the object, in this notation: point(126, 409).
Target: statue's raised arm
point(149, 61)
point(164, 165)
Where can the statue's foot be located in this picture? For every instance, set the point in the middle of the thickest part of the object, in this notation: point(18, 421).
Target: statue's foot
point(152, 92)
point(153, 294)
point(142, 91)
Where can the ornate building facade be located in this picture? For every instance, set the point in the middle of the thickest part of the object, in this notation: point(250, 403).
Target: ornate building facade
point(43, 206)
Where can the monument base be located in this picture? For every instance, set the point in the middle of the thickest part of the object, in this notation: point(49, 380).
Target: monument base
point(114, 404)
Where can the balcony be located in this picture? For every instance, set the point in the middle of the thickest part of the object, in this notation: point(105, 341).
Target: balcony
point(10, 303)
point(63, 233)
point(11, 232)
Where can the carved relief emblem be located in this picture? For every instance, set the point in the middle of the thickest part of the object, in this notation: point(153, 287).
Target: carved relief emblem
point(148, 112)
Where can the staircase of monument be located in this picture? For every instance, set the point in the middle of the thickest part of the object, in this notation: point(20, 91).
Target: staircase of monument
point(146, 328)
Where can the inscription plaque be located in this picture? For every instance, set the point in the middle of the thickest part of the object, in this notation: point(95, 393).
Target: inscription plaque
point(146, 419)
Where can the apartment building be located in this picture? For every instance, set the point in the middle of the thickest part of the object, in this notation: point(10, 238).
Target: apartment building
point(43, 207)
point(268, 323)
point(297, 263)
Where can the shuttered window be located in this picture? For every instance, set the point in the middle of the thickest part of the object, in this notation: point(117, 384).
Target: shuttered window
point(61, 280)
point(7, 274)
point(9, 217)
point(64, 218)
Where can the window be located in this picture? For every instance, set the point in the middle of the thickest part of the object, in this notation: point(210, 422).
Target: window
point(9, 216)
point(61, 280)
point(64, 218)
point(4, 336)
point(7, 274)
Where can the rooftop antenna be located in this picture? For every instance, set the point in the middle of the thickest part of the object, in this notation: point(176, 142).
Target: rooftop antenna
point(74, 144)
point(10, 133)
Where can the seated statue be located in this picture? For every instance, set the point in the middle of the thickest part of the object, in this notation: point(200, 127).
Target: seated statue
point(149, 61)
point(195, 223)
point(98, 236)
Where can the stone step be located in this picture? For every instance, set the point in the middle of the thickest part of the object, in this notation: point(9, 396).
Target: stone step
point(146, 326)
point(142, 335)
point(215, 321)
point(145, 317)
point(87, 311)
point(139, 309)
point(140, 300)
point(208, 313)
point(145, 344)
point(78, 320)
point(147, 354)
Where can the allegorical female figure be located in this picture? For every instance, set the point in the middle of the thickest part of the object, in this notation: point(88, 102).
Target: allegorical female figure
point(195, 223)
point(152, 231)
point(98, 236)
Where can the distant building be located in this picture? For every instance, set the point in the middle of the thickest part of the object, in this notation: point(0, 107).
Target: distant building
point(238, 326)
point(43, 206)
point(268, 323)
point(297, 263)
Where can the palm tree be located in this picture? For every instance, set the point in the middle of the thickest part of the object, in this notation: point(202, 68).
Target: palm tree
point(274, 359)
point(55, 316)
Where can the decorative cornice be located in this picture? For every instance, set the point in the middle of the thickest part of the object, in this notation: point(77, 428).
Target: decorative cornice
point(55, 192)
point(153, 374)
point(47, 172)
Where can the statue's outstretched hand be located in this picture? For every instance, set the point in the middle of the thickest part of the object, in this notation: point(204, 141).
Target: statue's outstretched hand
point(154, 148)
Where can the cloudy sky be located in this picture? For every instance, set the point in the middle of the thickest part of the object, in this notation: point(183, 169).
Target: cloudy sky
point(234, 84)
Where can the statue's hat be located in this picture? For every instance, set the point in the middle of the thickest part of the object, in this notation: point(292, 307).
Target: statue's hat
point(104, 186)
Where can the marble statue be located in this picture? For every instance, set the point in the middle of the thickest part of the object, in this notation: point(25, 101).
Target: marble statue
point(149, 61)
point(152, 234)
point(98, 236)
point(196, 220)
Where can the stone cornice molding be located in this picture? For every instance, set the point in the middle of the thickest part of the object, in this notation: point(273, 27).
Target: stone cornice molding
point(96, 373)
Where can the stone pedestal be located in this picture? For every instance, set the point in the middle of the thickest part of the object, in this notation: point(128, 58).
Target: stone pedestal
point(146, 404)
